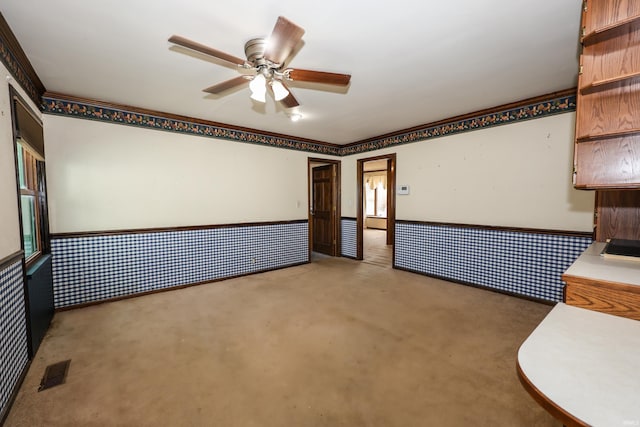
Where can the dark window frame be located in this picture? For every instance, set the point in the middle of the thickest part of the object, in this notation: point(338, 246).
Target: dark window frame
point(34, 176)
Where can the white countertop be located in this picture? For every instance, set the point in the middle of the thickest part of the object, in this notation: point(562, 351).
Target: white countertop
point(594, 266)
point(587, 363)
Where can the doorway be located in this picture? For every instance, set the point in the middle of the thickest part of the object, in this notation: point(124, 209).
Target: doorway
point(376, 209)
point(324, 206)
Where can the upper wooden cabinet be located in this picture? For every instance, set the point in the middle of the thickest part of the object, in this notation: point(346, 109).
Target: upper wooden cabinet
point(607, 146)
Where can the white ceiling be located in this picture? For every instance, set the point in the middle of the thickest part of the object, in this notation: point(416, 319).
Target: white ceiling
point(412, 62)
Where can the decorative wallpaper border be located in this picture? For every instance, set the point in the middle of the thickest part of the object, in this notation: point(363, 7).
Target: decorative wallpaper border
point(559, 102)
point(556, 105)
point(89, 110)
point(16, 69)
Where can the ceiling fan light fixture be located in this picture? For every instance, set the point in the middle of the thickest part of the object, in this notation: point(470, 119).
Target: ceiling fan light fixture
point(258, 88)
point(260, 97)
point(279, 91)
point(266, 57)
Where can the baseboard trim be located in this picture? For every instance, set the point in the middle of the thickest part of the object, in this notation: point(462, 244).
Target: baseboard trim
point(171, 288)
point(475, 285)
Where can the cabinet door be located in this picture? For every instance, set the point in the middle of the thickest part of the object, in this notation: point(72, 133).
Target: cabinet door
point(599, 14)
point(607, 146)
point(617, 215)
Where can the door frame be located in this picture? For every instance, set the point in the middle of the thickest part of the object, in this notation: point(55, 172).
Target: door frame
point(391, 202)
point(335, 202)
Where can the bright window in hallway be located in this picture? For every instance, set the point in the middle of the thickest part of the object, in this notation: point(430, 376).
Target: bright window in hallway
point(375, 195)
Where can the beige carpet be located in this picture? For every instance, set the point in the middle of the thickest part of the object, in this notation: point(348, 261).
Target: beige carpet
point(332, 343)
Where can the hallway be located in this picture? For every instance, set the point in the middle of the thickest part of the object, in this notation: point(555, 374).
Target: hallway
point(376, 250)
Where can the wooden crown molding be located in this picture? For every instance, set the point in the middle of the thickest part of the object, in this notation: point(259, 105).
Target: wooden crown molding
point(18, 64)
point(531, 108)
point(85, 108)
point(486, 111)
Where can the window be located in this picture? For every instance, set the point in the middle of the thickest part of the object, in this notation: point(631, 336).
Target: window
point(31, 180)
point(375, 195)
point(32, 199)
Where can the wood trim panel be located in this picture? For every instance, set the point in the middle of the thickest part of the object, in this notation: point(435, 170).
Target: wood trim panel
point(496, 109)
point(605, 297)
point(172, 288)
point(556, 411)
point(359, 210)
point(613, 286)
point(11, 259)
point(500, 228)
point(163, 229)
point(391, 203)
point(162, 114)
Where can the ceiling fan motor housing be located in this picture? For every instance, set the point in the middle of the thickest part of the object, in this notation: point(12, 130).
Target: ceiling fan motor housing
point(267, 62)
point(254, 50)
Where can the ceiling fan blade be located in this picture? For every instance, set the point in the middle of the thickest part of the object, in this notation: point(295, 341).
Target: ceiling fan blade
point(189, 44)
point(228, 84)
point(289, 101)
point(283, 40)
point(318, 77)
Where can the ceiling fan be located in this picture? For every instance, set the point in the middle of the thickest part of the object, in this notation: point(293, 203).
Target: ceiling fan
point(267, 57)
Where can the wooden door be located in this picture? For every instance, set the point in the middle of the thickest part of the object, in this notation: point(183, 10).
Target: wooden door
point(322, 210)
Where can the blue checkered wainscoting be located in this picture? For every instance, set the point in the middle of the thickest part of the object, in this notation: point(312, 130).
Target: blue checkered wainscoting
point(349, 237)
point(524, 263)
point(93, 268)
point(13, 330)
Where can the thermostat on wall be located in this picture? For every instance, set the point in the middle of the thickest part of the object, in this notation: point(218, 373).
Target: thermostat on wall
point(403, 189)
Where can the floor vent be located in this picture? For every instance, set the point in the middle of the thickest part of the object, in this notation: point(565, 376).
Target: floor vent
point(54, 375)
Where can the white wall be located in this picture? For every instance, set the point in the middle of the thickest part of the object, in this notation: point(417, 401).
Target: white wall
point(516, 175)
point(106, 177)
point(9, 222)
point(103, 176)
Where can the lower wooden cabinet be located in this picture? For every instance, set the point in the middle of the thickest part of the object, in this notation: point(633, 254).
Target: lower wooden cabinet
point(606, 297)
